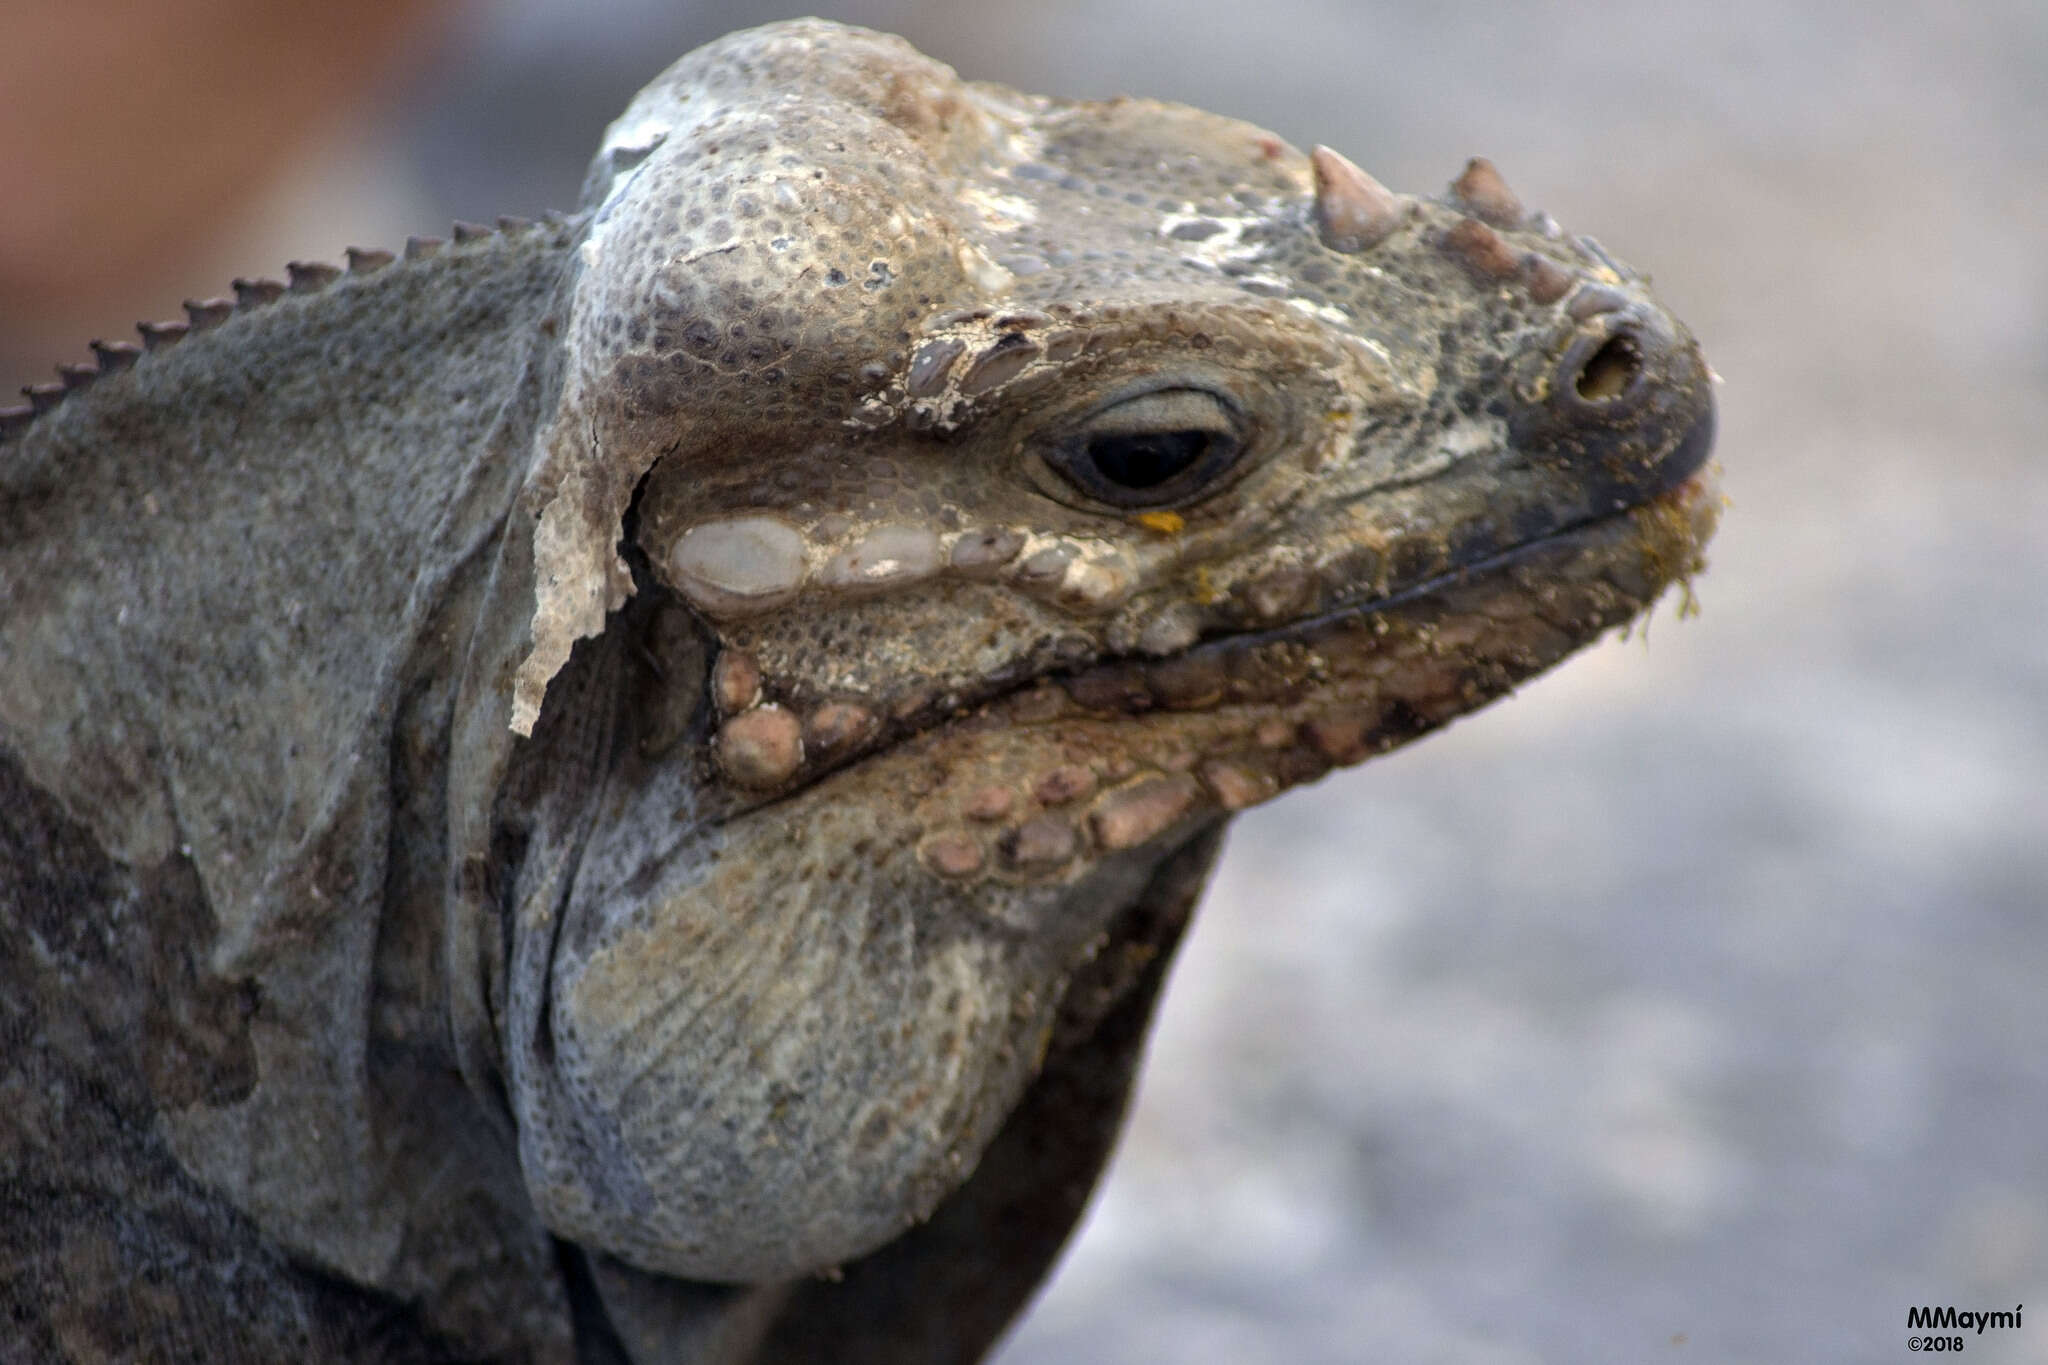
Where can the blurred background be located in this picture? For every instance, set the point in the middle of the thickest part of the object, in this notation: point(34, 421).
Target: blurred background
point(1692, 1004)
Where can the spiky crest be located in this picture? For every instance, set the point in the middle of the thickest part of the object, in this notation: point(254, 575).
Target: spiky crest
point(302, 278)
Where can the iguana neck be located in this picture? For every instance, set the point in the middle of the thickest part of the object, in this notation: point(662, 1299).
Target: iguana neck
point(241, 579)
point(233, 523)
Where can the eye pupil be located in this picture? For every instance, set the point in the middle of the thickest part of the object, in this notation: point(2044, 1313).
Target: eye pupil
point(1154, 449)
point(1146, 459)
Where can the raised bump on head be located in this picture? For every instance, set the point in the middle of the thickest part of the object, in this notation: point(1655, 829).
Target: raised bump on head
point(1595, 299)
point(1353, 211)
point(1547, 280)
point(740, 565)
point(1481, 249)
point(999, 364)
point(930, 366)
point(1481, 189)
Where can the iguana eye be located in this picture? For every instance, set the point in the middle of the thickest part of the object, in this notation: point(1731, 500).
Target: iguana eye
point(1163, 447)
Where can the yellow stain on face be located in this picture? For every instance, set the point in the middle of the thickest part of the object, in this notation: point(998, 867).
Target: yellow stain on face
point(1165, 523)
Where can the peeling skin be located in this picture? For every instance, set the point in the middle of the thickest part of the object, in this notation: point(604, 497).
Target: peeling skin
point(703, 809)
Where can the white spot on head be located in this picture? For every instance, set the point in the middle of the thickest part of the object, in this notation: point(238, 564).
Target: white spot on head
point(627, 145)
point(1225, 244)
point(999, 212)
point(1323, 312)
point(1472, 436)
point(981, 271)
point(638, 136)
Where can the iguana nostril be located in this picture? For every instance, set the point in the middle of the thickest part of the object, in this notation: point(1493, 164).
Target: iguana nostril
point(1625, 413)
point(1610, 371)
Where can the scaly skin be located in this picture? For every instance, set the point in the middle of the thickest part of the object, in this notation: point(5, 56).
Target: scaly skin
point(623, 788)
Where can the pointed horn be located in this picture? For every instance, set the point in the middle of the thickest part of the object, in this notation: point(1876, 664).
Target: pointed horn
point(1482, 190)
point(1481, 249)
point(1547, 280)
point(1353, 210)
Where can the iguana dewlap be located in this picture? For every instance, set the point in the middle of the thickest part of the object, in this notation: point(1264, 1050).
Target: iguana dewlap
point(622, 788)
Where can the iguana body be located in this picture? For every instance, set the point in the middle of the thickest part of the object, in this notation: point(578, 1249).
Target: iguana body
point(622, 788)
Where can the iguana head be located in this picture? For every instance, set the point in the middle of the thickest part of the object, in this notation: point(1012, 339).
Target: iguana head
point(1032, 484)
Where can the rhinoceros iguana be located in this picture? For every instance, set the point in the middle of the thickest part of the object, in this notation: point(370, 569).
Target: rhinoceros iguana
point(621, 789)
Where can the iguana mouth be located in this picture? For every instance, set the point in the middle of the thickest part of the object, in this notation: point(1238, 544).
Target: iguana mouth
point(1025, 780)
point(1181, 681)
point(1676, 483)
point(1035, 783)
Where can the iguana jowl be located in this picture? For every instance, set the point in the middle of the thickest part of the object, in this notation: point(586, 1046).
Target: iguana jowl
point(622, 788)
